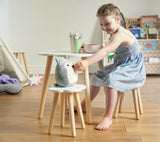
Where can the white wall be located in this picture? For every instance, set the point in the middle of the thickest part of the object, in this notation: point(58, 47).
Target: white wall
point(44, 25)
point(4, 19)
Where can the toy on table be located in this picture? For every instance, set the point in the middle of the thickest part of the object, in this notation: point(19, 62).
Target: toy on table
point(90, 48)
point(76, 42)
point(64, 73)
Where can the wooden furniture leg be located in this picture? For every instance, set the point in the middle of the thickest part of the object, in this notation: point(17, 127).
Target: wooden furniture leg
point(87, 94)
point(55, 101)
point(79, 109)
point(63, 101)
point(121, 101)
point(44, 87)
point(117, 105)
point(71, 113)
point(100, 64)
point(135, 99)
point(22, 59)
point(139, 101)
point(25, 63)
point(16, 55)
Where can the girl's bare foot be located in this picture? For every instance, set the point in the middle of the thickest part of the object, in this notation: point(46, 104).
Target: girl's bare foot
point(104, 124)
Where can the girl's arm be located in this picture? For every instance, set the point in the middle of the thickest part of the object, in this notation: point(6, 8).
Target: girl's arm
point(115, 41)
point(100, 54)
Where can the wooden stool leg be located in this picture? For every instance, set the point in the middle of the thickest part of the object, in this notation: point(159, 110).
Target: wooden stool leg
point(117, 105)
point(121, 101)
point(139, 101)
point(135, 99)
point(16, 55)
point(71, 113)
point(20, 59)
point(55, 100)
point(63, 109)
point(25, 62)
point(79, 109)
point(66, 103)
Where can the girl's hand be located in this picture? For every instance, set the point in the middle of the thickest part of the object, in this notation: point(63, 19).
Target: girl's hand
point(81, 65)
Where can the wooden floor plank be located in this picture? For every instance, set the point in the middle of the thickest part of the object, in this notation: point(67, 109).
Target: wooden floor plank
point(19, 122)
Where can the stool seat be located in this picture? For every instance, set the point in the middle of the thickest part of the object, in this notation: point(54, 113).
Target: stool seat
point(67, 94)
point(69, 89)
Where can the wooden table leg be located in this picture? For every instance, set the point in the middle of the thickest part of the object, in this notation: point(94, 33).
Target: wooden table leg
point(44, 87)
point(87, 94)
point(100, 64)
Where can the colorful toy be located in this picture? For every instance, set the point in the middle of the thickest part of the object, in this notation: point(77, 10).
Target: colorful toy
point(5, 79)
point(132, 22)
point(149, 21)
point(150, 46)
point(76, 42)
point(136, 33)
point(64, 73)
point(35, 79)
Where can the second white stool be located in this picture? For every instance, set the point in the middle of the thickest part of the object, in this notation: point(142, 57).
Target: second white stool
point(137, 103)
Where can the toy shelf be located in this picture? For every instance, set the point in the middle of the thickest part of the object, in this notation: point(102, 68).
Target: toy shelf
point(151, 67)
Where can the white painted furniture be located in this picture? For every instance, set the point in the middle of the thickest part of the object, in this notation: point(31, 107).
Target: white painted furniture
point(50, 56)
point(67, 94)
point(20, 55)
point(137, 103)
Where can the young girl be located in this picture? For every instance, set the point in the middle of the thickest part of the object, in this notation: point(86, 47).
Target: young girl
point(126, 73)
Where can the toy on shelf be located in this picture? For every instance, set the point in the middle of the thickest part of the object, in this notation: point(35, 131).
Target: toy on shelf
point(150, 46)
point(145, 27)
point(149, 21)
point(152, 33)
point(132, 22)
point(136, 33)
point(153, 59)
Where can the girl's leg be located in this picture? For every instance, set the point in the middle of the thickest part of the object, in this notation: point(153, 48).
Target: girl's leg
point(111, 99)
point(93, 93)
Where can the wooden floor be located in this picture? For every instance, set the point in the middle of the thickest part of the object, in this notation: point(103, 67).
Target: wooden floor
point(19, 123)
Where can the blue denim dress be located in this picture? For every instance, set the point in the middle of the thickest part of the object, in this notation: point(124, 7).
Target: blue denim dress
point(126, 73)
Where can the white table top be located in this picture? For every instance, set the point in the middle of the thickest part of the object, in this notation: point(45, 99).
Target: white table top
point(62, 54)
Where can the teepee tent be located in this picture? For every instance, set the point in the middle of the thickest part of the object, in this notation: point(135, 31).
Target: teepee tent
point(8, 61)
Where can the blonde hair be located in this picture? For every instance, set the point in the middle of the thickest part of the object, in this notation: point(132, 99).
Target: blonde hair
point(111, 9)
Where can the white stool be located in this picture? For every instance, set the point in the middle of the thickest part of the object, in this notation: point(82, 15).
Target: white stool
point(67, 93)
point(20, 55)
point(137, 103)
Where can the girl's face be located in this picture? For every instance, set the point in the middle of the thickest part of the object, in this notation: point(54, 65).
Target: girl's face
point(109, 23)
